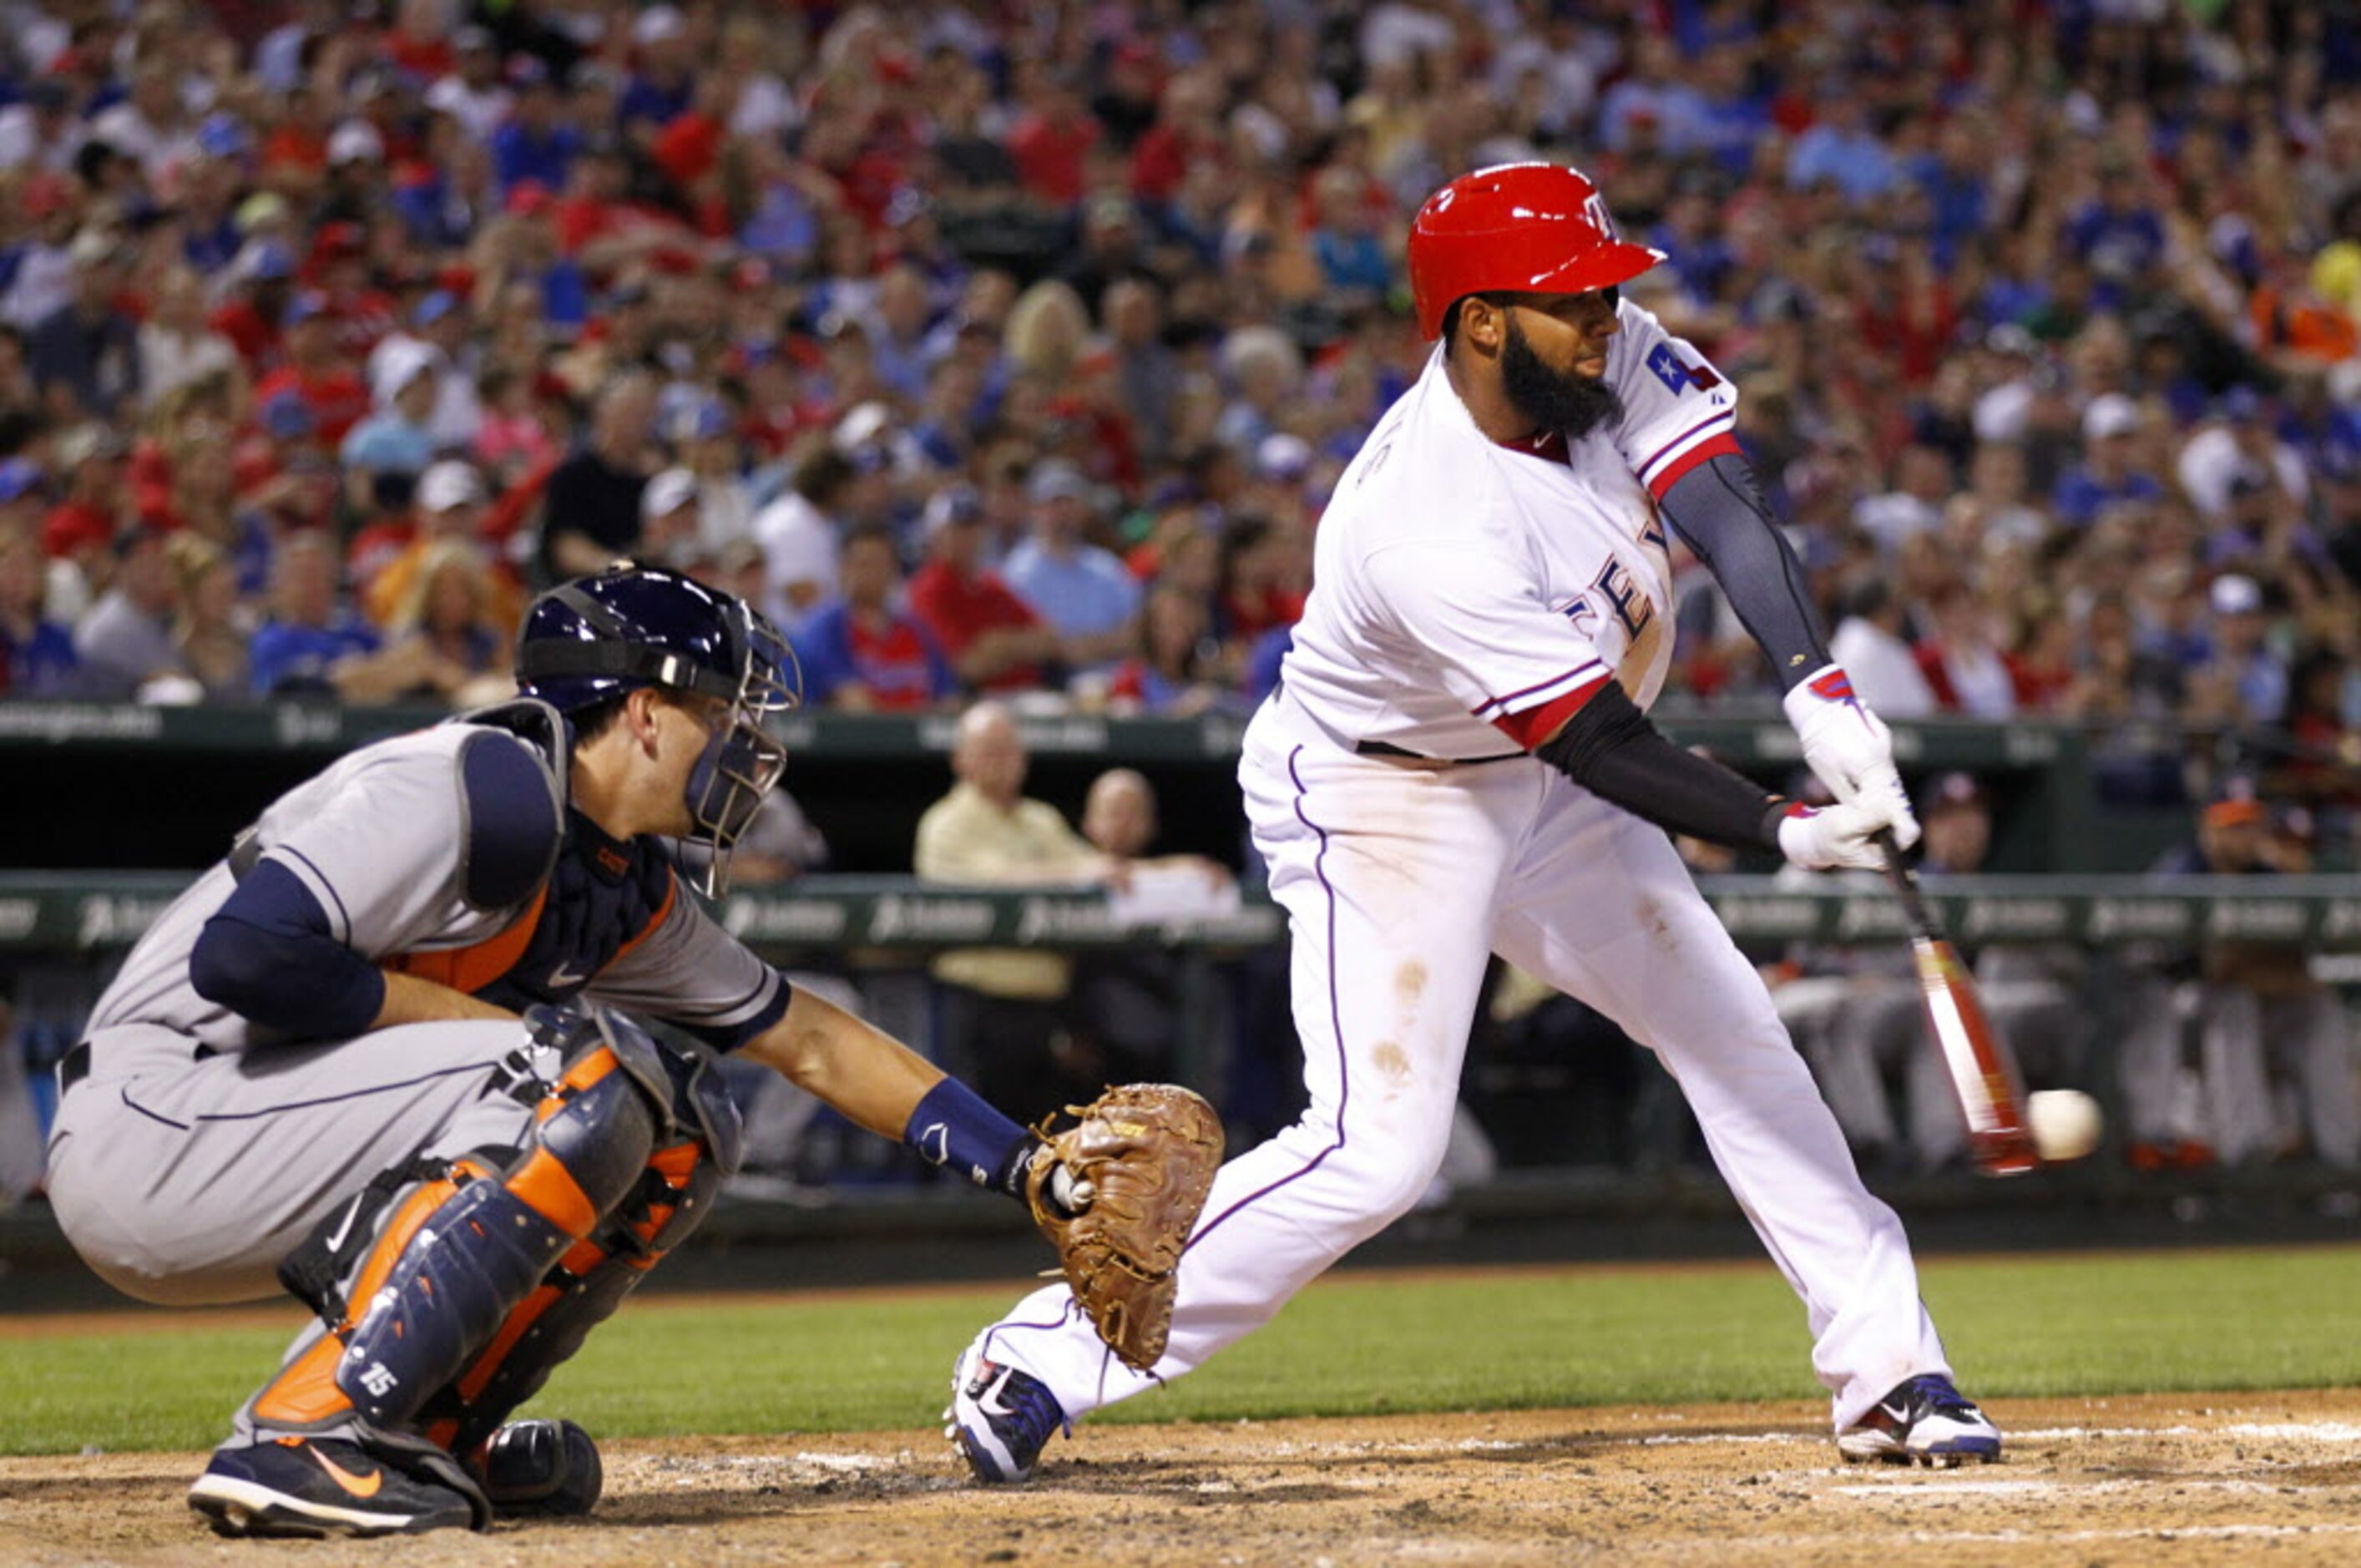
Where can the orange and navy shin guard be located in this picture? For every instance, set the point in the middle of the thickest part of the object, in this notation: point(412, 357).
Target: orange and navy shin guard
point(455, 1256)
point(581, 1290)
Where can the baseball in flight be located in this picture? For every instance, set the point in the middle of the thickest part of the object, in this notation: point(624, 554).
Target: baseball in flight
point(2065, 1122)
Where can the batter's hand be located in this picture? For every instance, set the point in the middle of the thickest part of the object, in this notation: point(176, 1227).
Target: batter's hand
point(1842, 837)
point(1850, 749)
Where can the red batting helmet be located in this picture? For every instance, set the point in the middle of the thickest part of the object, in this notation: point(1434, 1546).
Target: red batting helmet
point(1537, 228)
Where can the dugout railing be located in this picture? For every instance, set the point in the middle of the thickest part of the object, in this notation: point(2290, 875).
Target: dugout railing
point(72, 925)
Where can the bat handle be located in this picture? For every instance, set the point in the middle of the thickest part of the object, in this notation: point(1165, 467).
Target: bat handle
point(1905, 887)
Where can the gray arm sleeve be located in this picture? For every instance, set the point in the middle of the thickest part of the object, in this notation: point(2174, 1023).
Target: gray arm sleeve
point(1719, 513)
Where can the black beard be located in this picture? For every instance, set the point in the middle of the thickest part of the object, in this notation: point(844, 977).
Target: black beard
point(1553, 400)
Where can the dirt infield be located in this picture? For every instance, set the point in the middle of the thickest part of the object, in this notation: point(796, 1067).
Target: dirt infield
point(2180, 1478)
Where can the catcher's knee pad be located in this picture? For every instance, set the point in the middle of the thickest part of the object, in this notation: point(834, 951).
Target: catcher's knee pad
point(423, 1265)
point(698, 1147)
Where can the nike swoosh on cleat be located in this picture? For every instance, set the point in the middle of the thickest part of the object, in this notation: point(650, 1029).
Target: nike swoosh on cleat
point(358, 1486)
point(990, 1402)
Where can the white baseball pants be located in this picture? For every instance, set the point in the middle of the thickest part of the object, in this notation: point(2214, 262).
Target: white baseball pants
point(1400, 880)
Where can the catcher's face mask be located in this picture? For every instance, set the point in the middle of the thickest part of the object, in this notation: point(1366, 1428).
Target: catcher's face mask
point(742, 761)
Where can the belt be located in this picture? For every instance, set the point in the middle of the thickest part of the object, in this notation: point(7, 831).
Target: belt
point(1381, 749)
point(74, 1067)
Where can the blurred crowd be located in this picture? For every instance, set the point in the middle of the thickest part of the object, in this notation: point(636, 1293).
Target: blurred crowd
point(1010, 351)
point(1001, 348)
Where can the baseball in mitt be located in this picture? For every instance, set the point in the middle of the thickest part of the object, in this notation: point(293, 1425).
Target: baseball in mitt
point(1117, 1194)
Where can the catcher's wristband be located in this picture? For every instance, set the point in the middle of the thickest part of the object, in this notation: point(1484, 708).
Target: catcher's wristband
point(952, 1126)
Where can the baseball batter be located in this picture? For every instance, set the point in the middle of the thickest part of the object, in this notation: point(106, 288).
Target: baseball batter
point(375, 1057)
point(1457, 763)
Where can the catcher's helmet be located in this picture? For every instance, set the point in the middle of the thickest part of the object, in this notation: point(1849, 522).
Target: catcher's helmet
point(636, 625)
point(1528, 227)
point(630, 626)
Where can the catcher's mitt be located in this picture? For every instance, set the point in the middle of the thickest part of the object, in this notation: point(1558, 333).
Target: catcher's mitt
point(1117, 1194)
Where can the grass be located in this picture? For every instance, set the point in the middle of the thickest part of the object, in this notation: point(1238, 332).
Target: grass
point(2051, 1325)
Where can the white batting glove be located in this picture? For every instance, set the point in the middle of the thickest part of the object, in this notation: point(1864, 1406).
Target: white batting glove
point(1851, 749)
point(1834, 838)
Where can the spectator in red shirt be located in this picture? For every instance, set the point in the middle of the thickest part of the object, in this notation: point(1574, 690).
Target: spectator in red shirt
point(317, 370)
point(1962, 661)
point(992, 638)
point(295, 153)
point(1052, 141)
point(417, 49)
point(1256, 594)
point(1188, 131)
point(92, 460)
point(339, 268)
point(264, 277)
point(862, 652)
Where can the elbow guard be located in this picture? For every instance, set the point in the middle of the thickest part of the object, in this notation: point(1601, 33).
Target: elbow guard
point(267, 956)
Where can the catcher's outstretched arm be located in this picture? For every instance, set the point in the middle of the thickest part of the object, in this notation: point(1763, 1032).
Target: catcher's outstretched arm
point(871, 1077)
point(857, 1069)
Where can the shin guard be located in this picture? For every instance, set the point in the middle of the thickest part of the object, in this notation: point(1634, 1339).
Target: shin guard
point(700, 1146)
point(581, 1290)
point(410, 1307)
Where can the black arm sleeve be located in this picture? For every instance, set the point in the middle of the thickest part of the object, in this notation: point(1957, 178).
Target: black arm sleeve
point(1609, 748)
point(1720, 512)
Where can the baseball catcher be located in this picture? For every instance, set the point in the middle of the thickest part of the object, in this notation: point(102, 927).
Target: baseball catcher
point(386, 1055)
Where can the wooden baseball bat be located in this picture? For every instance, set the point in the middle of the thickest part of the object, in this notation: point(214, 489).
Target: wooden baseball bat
point(1984, 1074)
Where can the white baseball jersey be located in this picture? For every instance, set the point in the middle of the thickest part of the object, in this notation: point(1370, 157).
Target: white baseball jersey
point(1522, 576)
point(1464, 592)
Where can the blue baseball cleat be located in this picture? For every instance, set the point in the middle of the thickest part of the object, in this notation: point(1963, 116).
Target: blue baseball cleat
point(999, 1418)
point(1923, 1421)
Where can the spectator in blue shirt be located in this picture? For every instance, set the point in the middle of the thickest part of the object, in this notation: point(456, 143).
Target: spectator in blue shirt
point(1733, 117)
point(864, 650)
point(1689, 236)
point(659, 92)
point(2118, 235)
point(313, 646)
point(535, 146)
point(2251, 677)
point(2107, 475)
point(37, 655)
point(396, 438)
point(85, 354)
point(1955, 180)
point(1841, 149)
point(1654, 105)
point(1352, 261)
point(1083, 592)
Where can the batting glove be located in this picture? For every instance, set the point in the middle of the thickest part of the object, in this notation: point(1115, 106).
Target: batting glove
point(1835, 838)
point(1851, 749)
